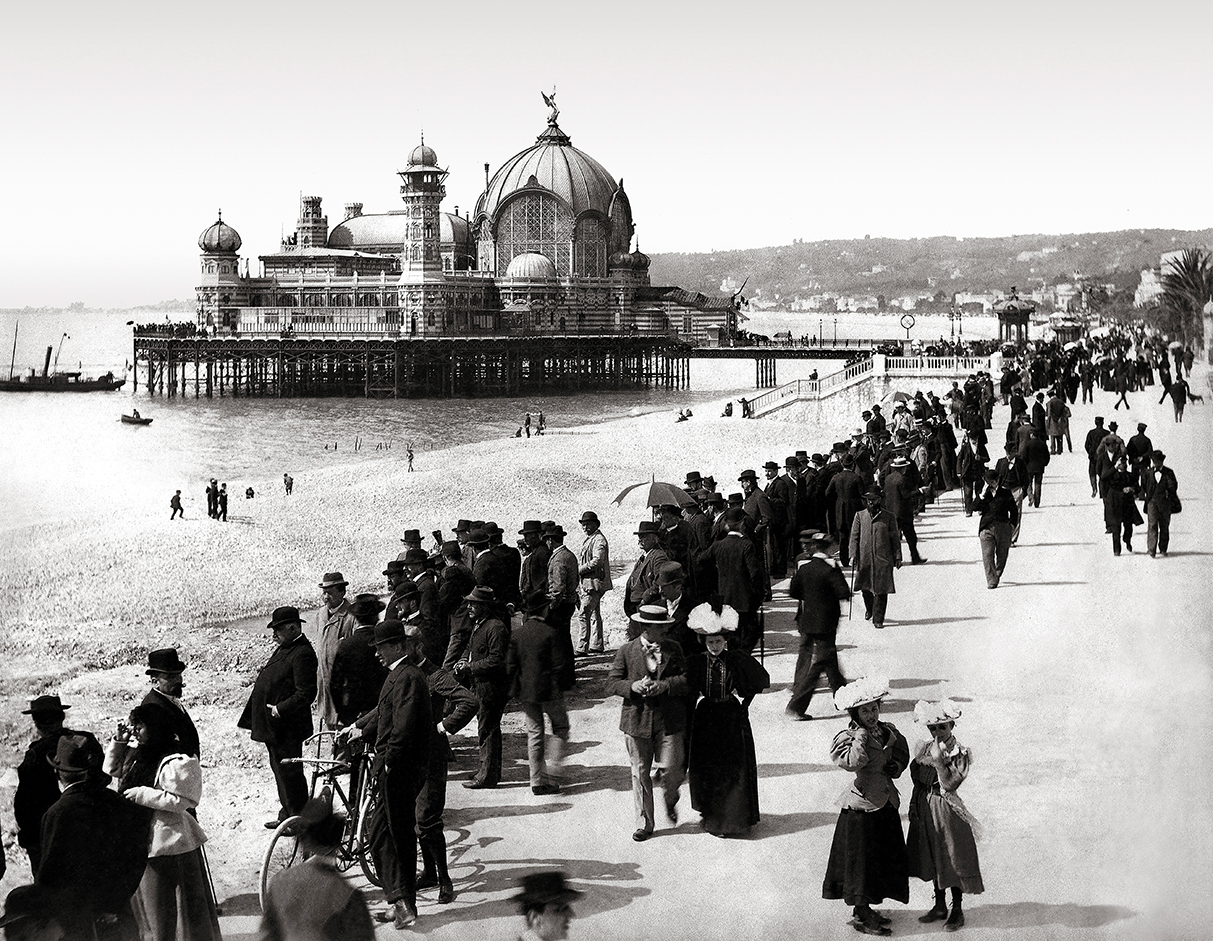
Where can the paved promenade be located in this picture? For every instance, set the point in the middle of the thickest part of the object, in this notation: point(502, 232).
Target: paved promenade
point(1086, 685)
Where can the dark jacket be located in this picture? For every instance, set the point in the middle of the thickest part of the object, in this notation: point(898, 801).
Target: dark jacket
point(1015, 477)
point(533, 576)
point(739, 576)
point(996, 507)
point(749, 676)
point(485, 657)
point(536, 662)
point(510, 560)
point(1036, 455)
point(1161, 486)
point(178, 720)
point(357, 676)
point(287, 681)
point(668, 700)
point(401, 724)
point(818, 585)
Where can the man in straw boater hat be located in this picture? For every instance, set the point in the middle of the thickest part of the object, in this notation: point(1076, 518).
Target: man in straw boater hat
point(312, 899)
point(37, 783)
point(166, 670)
point(402, 728)
point(334, 622)
point(648, 674)
point(94, 846)
point(279, 708)
point(818, 586)
point(544, 904)
point(480, 666)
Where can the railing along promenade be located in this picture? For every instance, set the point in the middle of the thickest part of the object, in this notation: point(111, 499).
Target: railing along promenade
point(879, 365)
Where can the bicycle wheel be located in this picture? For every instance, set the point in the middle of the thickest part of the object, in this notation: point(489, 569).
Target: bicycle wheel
point(362, 841)
point(282, 853)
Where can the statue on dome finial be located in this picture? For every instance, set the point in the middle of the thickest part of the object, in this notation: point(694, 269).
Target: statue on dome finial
point(550, 101)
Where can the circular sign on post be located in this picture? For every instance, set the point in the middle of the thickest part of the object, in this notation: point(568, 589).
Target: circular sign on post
point(907, 321)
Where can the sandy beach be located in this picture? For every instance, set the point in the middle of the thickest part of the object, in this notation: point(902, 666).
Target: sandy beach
point(1077, 675)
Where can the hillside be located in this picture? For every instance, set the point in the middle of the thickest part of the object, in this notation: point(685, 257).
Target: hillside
point(892, 267)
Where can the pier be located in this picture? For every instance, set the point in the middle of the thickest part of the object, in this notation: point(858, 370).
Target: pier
point(396, 368)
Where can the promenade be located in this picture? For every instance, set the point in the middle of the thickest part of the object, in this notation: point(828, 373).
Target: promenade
point(1085, 680)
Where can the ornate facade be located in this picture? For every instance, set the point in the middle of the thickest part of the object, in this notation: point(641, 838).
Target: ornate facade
point(548, 250)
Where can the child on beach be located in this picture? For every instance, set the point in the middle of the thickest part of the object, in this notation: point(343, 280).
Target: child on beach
point(941, 842)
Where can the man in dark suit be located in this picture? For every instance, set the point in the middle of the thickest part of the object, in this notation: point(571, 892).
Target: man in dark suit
point(434, 635)
point(818, 586)
point(901, 500)
point(781, 494)
point(94, 846)
point(1139, 448)
point(279, 709)
point(481, 667)
point(1012, 473)
point(1036, 457)
point(37, 783)
point(670, 591)
point(533, 575)
point(455, 581)
point(648, 674)
point(1094, 437)
point(845, 491)
point(538, 667)
point(1159, 494)
point(402, 728)
point(740, 578)
point(644, 572)
point(510, 561)
point(166, 669)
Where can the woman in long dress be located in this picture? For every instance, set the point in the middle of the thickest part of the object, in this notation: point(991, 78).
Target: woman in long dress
point(941, 843)
point(722, 769)
point(868, 856)
point(154, 774)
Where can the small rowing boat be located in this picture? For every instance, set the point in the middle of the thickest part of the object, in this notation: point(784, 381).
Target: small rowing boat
point(135, 419)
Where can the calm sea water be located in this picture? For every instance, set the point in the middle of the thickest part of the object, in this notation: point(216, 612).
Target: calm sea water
point(68, 456)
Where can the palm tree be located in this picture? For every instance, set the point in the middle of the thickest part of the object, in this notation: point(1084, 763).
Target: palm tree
point(1187, 286)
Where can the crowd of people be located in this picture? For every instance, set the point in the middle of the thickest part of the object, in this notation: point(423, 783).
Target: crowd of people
point(472, 623)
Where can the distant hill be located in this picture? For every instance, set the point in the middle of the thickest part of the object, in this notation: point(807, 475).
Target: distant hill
point(894, 267)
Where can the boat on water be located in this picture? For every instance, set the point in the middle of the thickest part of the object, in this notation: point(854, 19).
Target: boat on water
point(135, 419)
point(56, 381)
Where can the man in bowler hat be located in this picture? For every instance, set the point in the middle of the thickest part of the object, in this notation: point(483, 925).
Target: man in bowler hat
point(166, 669)
point(544, 904)
point(334, 622)
point(594, 569)
point(818, 586)
point(537, 664)
point(644, 572)
point(481, 667)
point(279, 709)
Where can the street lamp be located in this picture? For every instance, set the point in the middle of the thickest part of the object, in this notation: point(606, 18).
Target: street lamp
point(835, 331)
point(820, 334)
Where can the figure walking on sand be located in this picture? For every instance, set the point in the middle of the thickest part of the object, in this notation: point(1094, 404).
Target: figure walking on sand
point(409, 454)
point(288, 483)
point(175, 503)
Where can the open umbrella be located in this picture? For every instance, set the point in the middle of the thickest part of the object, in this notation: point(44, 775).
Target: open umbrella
point(901, 397)
point(659, 494)
point(1175, 345)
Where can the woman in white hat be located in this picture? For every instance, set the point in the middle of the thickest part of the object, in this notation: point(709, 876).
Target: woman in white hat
point(868, 856)
point(722, 770)
point(941, 843)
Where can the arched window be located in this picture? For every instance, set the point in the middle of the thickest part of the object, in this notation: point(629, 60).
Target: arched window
point(590, 249)
point(535, 222)
point(430, 319)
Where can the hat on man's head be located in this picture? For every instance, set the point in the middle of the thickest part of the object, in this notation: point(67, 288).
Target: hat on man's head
point(647, 527)
point(406, 589)
point(671, 508)
point(395, 567)
point(366, 606)
point(481, 594)
point(450, 547)
point(709, 482)
point(748, 475)
point(1112, 425)
point(848, 460)
point(670, 573)
point(318, 826)
point(1157, 456)
point(714, 499)
point(818, 458)
point(333, 580)
point(1099, 419)
point(865, 414)
point(900, 461)
point(791, 461)
point(874, 492)
point(478, 537)
point(73, 753)
point(693, 477)
point(736, 499)
point(876, 407)
point(536, 601)
point(589, 516)
point(287, 614)
point(416, 556)
point(548, 526)
point(556, 531)
point(652, 614)
point(839, 447)
point(770, 465)
point(463, 526)
point(40, 705)
point(493, 529)
point(393, 632)
point(544, 888)
point(164, 660)
point(412, 535)
point(530, 526)
point(858, 432)
point(1141, 426)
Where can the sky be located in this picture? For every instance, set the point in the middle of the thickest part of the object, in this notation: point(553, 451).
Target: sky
point(125, 127)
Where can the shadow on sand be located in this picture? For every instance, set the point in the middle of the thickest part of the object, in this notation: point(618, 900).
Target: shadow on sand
point(1040, 914)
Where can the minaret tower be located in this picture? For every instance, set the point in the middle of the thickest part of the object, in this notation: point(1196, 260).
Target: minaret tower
point(422, 190)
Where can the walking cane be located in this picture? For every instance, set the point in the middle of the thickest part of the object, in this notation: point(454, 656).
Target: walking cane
point(762, 634)
point(851, 599)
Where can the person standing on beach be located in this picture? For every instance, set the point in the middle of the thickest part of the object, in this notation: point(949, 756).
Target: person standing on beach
point(166, 669)
point(37, 785)
point(563, 595)
point(334, 622)
point(481, 667)
point(527, 424)
point(288, 483)
point(279, 708)
point(594, 569)
point(408, 452)
point(175, 504)
point(212, 499)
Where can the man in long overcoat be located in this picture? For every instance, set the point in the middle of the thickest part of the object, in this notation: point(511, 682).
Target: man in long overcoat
point(279, 709)
point(740, 577)
point(37, 783)
point(818, 586)
point(644, 572)
point(845, 491)
point(875, 552)
point(334, 622)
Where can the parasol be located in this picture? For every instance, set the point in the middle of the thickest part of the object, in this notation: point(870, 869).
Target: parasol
point(900, 397)
point(660, 493)
point(1175, 345)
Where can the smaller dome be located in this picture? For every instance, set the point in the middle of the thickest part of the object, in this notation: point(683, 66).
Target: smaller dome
point(219, 238)
point(531, 266)
point(423, 156)
point(640, 261)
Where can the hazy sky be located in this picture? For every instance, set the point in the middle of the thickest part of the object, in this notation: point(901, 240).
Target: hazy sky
point(127, 125)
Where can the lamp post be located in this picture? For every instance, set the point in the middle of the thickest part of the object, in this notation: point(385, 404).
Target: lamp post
point(820, 334)
point(835, 331)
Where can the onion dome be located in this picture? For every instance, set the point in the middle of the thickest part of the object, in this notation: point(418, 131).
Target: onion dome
point(640, 261)
point(531, 266)
point(219, 238)
point(423, 156)
point(554, 164)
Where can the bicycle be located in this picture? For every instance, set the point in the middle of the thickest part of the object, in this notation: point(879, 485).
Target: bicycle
point(283, 850)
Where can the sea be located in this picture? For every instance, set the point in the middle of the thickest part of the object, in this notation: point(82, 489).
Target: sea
point(65, 455)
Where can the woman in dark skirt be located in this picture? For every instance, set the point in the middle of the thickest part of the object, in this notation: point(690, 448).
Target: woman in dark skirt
point(722, 769)
point(868, 862)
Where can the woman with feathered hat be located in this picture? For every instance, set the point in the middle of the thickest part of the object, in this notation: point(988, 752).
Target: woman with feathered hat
point(941, 843)
point(868, 856)
point(723, 771)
